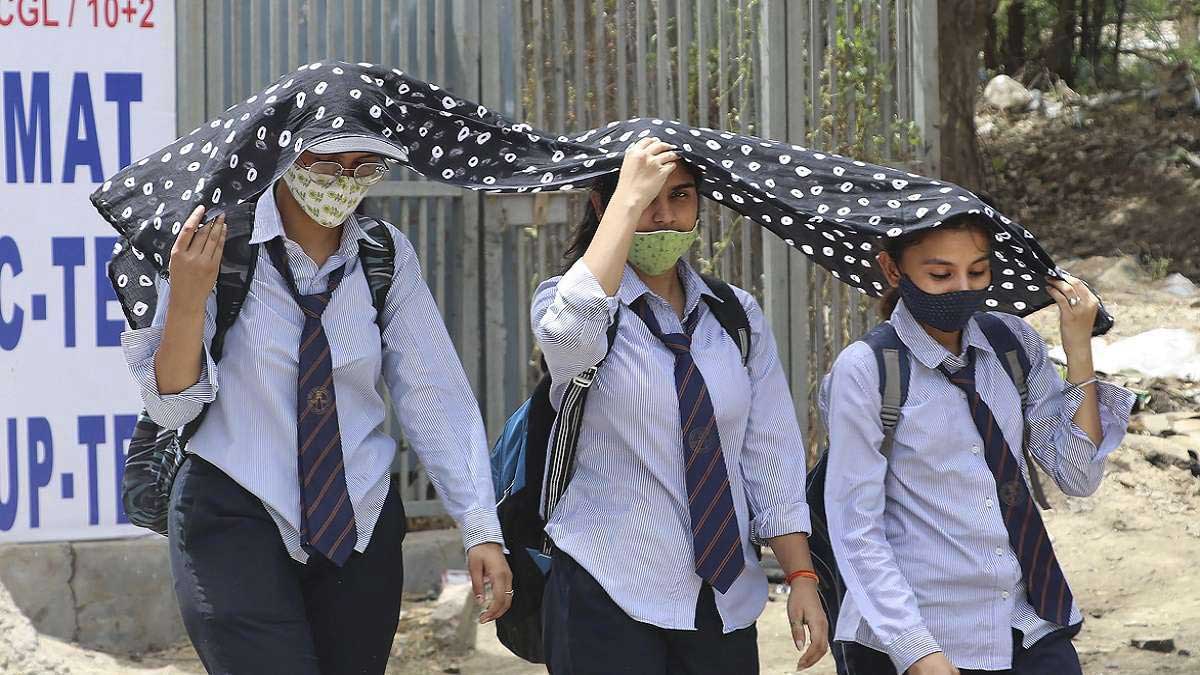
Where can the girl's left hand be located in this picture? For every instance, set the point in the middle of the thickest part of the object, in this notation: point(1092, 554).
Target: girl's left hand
point(1077, 308)
point(804, 608)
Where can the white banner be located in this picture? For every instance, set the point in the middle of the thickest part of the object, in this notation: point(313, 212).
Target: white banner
point(86, 87)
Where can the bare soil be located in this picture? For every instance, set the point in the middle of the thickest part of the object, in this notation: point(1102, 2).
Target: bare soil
point(1113, 185)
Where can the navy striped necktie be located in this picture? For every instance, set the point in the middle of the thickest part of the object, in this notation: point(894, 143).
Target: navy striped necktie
point(1045, 583)
point(326, 515)
point(716, 539)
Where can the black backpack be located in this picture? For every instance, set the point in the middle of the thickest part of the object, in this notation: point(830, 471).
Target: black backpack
point(155, 453)
point(893, 361)
point(519, 463)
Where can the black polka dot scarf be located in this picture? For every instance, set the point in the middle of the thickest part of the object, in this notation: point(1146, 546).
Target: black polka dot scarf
point(831, 207)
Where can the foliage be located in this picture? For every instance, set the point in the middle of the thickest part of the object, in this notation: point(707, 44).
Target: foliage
point(1148, 40)
point(854, 86)
point(1156, 267)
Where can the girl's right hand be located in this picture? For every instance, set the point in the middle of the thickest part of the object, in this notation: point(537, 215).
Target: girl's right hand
point(195, 260)
point(644, 171)
point(933, 664)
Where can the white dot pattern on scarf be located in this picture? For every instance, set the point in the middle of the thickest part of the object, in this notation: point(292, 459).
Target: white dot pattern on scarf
point(830, 207)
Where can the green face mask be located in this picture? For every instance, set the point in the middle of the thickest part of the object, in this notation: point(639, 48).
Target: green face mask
point(654, 253)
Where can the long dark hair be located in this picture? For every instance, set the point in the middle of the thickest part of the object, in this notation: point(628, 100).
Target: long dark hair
point(586, 231)
point(896, 246)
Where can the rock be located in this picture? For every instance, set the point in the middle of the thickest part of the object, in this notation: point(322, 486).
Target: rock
point(1161, 645)
point(454, 619)
point(1037, 104)
point(1162, 452)
point(1065, 93)
point(1005, 93)
point(38, 577)
point(1109, 273)
point(1124, 274)
point(1183, 652)
point(124, 599)
point(1155, 425)
point(1179, 286)
point(1052, 109)
point(1187, 427)
point(986, 129)
point(1161, 352)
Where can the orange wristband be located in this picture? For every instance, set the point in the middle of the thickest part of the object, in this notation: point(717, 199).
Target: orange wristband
point(806, 574)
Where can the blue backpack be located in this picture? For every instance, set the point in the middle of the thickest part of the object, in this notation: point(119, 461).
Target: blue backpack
point(524, 453)
point(892, 359)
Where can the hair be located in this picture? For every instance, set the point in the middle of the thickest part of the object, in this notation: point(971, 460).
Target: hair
point(896, 246)
point(605, 186)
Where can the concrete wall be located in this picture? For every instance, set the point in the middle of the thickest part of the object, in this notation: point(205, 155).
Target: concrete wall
point(117, 596)
point(114, 596)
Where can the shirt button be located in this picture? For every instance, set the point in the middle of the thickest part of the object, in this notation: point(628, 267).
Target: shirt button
point(989, 503)
point(999, 551)
point(1004, 595)
point(975, 449)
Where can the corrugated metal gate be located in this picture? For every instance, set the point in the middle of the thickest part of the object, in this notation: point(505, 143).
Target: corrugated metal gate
point(852, 76)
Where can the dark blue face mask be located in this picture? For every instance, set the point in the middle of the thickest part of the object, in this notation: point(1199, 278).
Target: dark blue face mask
point(948, 312)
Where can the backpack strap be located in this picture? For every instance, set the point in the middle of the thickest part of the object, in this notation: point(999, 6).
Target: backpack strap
point(1015, 361)
point(238, 260)
point(565, 439)
point(378, 258)
point(892, 359)
point(730, 313)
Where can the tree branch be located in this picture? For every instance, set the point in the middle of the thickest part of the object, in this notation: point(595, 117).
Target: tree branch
point(1146, 56)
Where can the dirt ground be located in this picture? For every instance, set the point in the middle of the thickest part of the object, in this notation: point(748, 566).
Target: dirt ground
point(1113, 185)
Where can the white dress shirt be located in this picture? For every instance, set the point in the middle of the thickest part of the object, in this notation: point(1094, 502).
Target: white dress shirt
point(919, 537)
point(250, 429)
point(624, 517)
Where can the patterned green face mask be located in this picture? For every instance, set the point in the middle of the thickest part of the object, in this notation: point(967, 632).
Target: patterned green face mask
point(656, 252)
point(329, 205)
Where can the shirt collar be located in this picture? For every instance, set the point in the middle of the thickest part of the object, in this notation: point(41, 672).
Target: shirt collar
point(268, 224)
point(694, 287)
point(928, 351)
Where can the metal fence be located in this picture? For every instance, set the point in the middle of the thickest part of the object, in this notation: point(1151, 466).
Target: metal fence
point(851, 76)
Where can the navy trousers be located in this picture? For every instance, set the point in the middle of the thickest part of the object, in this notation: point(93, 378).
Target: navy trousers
point(249, 608)
point(1052, 655)
point(586, 633)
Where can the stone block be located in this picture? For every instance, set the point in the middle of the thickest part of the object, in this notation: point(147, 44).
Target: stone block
point(124, 599)
point(1155, 425)
point(1161, 645)
point(38, 577)
point(454, 620)
point(426, 556)
point(1186, 427)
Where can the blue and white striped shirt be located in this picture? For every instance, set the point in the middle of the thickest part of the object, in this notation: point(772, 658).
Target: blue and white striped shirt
point(919, 538)
point(250, 429)
point(625, 515)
